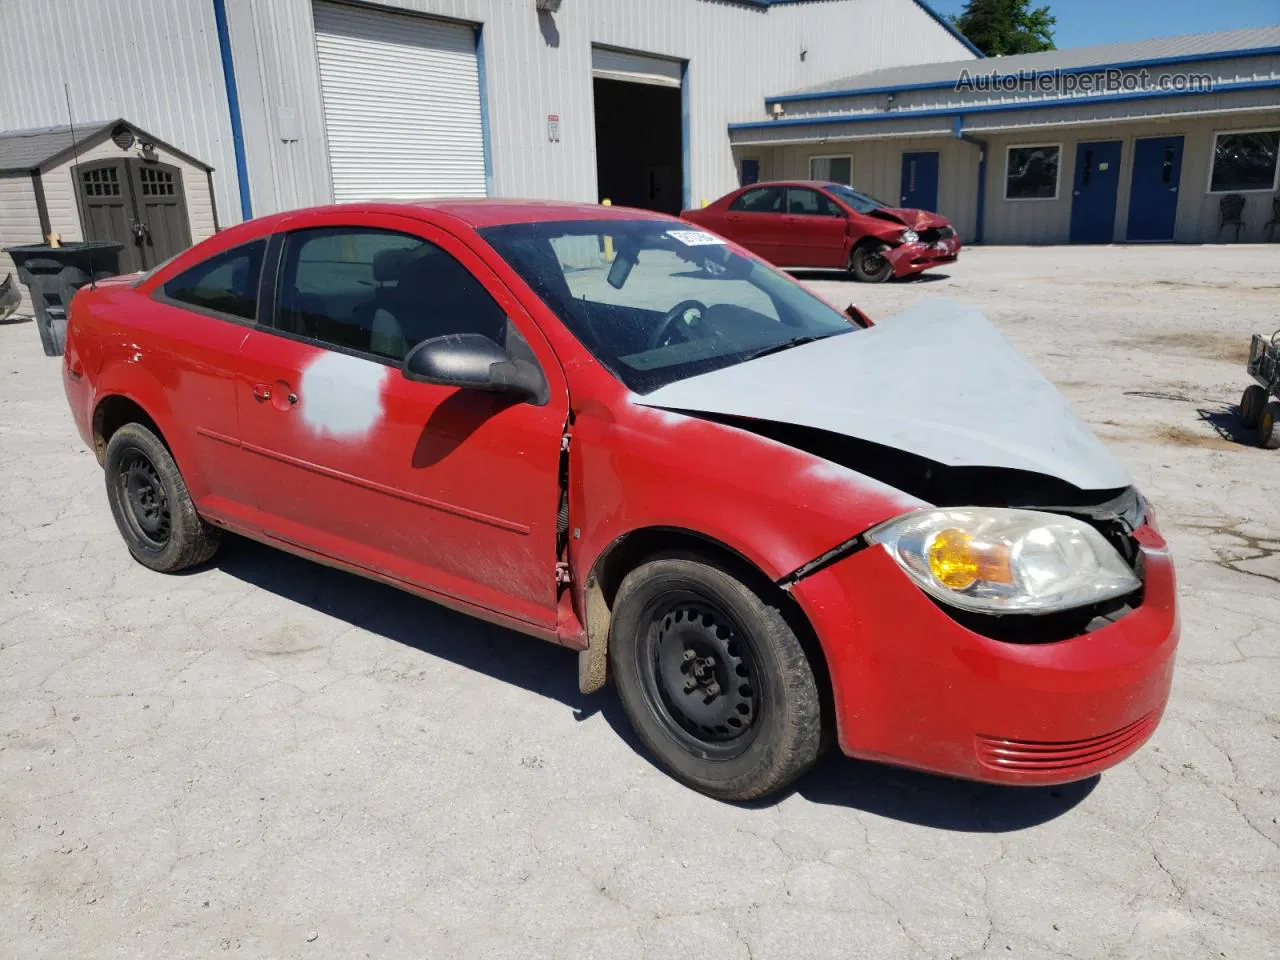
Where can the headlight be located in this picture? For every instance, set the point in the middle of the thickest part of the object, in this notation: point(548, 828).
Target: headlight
point(909, 236)
point(1006, 561)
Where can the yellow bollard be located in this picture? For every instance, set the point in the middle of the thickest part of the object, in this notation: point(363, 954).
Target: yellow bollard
point(608, 241)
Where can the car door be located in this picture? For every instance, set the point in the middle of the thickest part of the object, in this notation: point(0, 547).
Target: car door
point(815, 230)
point(451, 491)
point(754, 219)
point(200, 319)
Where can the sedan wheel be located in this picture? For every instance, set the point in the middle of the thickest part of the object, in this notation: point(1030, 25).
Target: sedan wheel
point(869, 263)
point(713, 679)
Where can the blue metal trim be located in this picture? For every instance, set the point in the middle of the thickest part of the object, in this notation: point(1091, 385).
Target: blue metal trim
point(950, 28)
point(233, 106)
point(482, 83)
point(686, 186)
point(968, 110)
point(980, 220)
point(1242, 54)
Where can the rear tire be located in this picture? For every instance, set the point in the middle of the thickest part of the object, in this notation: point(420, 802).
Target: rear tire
point(713, 679)
point(151, 505)
point(868, 264)
point(1251, 404)
point(1268, 433)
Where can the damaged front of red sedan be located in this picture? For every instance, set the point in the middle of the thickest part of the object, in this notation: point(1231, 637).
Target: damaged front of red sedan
point(771, 525)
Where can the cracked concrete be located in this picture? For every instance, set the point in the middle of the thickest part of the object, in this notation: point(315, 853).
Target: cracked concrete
point(263, 750)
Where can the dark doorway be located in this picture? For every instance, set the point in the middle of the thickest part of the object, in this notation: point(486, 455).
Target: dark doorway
point(135, 202)
point(639, 153)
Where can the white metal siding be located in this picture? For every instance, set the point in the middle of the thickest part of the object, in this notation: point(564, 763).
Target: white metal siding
point(60, 197)
point(153, 62)
point(19, 223)
point(537, 65)
point(401, 105)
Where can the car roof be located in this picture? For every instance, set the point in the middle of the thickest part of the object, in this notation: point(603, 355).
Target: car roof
point(820, 184)
point(477, 211)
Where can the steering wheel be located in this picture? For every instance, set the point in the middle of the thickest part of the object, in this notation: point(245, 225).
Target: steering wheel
point(673, 316)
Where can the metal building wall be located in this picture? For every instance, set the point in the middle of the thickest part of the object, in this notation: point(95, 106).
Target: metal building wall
point(537, 65)
point(152, 62)
point(1223, 72)
point(1049, 221)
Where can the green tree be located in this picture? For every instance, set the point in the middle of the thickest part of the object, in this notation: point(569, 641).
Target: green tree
point(1002, 27)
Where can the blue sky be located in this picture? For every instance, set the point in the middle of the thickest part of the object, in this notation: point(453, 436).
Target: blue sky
point(1085, 23)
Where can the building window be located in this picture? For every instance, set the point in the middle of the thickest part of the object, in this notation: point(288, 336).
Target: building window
point(1244, 160)
point(1031, 173)
point(832, 170)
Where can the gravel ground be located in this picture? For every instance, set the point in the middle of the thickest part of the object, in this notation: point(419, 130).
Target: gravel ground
point(266, 758)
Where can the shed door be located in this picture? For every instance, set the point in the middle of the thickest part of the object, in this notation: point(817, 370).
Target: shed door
point(401, 104)
point(138, 203)
point(106, 202)
point(162, 210)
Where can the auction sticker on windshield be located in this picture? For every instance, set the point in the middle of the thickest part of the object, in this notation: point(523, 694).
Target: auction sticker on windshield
point(694, 238)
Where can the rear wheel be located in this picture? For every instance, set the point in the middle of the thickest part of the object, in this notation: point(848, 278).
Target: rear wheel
point(151, 505)
point(1251, 404)
point(869, 264)
point(1268, 432)
point(713, 679)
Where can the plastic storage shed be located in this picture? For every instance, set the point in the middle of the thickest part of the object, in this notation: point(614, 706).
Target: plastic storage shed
point(126, 187)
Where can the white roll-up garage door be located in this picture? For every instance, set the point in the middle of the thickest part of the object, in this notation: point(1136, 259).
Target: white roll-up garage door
point(610, 64)
point(401, 105)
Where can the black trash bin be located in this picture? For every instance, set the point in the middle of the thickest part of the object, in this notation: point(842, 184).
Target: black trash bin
point(54, 274)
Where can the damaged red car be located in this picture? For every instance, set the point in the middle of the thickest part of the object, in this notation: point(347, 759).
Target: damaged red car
point(831, 226)
point(771, 525)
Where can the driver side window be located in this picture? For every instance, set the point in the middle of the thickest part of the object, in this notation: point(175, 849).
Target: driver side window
point(760, 200)
point(379, 292)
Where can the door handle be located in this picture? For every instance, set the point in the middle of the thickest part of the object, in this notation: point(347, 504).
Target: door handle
point(734, 219)
point(261, 391)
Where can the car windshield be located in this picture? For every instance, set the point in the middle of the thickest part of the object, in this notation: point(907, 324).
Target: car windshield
point(862, 202)
point(657, 301)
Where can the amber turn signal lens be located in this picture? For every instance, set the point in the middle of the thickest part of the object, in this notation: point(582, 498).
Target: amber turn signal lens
point(958, 561)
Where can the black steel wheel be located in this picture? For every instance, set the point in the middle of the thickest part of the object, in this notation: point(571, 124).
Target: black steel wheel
point(1251, 404)
point(869, 264)
point(151, 505)
point(713, 678)
point(700, 678)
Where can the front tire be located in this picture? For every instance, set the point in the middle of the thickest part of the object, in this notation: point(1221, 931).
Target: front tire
point(869, 264)
point(151, 505)
point(713, 679)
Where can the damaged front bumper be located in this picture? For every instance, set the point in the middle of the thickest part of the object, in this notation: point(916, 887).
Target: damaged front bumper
point(915, 688)
point(912, 258)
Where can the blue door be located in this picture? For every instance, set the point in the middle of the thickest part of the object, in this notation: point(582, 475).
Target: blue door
point(1093, 198)
point(1153, 195)
point(750, 171)
point(920, 181)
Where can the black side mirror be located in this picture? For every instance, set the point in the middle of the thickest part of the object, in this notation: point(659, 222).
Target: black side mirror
point(474, 362)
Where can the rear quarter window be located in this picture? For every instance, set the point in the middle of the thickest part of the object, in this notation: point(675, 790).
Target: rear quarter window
point(226, 283)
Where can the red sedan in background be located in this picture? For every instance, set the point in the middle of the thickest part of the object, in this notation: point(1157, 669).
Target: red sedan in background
point(831, 226)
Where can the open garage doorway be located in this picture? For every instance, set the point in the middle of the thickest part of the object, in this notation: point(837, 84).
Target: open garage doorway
point(639, 119)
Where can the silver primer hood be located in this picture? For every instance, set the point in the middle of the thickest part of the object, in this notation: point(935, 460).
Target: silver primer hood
point(938, 381)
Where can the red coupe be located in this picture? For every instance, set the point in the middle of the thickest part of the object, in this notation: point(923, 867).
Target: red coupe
point(773, 525)
point(831, 226)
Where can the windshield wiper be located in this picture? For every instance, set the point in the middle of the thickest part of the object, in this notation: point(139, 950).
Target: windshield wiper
point(785, 345)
